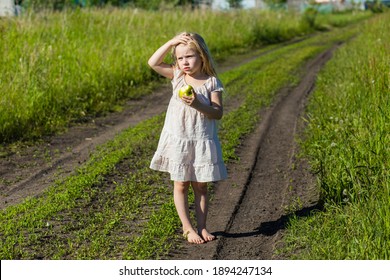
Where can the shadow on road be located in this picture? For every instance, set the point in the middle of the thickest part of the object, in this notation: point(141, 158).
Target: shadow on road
point(272, 227)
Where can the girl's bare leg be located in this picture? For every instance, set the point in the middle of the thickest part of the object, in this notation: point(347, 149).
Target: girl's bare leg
point(180, 197)
point(201, 208)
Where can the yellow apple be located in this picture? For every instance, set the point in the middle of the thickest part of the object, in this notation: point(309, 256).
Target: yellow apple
point(186, 90)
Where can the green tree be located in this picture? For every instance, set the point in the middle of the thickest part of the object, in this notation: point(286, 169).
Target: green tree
point(144, 4)
point(235, 4)
point(275, 2)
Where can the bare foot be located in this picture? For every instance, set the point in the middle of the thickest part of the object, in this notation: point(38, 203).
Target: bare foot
point(193, 237)
point(206, 235)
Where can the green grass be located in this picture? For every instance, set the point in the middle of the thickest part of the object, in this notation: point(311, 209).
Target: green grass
point(347, 141)
point(57, 68)
point(102, 213)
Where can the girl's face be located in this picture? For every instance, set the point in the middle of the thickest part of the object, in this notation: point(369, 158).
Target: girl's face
point(188, 60)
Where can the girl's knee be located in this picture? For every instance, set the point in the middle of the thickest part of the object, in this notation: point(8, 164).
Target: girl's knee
point(200, 188)
point(181, 185)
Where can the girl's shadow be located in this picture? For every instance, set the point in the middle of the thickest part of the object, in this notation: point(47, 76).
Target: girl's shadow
point(272, 227)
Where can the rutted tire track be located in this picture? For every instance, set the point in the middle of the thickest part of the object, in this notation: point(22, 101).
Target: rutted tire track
point(250, 205)
point(261, 211)
point(30, 173)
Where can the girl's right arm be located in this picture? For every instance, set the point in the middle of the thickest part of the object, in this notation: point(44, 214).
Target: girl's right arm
point(156, 61)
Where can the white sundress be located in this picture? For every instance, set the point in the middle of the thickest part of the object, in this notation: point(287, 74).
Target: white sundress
point(189, 148)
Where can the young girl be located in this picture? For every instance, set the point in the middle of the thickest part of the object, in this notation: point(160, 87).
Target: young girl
point(189, 148)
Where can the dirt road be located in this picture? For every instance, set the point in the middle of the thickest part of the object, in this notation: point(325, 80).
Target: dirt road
point(247, 212)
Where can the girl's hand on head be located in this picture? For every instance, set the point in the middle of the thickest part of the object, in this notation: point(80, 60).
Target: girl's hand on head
point(180, 39)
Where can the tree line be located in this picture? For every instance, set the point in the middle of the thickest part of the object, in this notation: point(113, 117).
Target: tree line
point(143, 4)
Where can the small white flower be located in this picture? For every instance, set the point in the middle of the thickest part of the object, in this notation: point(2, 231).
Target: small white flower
point(333, 144)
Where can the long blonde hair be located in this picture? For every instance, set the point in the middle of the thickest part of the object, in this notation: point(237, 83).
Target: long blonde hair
point(198, 44)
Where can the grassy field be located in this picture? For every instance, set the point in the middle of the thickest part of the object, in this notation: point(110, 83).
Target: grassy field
point(77, 64)
point(102, 213)
point(348, 143)
point(58, 68)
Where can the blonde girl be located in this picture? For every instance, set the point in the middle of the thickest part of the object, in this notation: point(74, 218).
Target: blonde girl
point(189, 148)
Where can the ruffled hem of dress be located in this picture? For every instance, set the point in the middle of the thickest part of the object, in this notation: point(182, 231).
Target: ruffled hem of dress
point(197, 152)
point(187, 172)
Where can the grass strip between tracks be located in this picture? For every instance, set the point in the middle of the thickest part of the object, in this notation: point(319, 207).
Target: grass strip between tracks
point(101, 213)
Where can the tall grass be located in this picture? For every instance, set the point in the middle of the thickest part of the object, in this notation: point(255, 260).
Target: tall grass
point(56, 68)
point(348, 142)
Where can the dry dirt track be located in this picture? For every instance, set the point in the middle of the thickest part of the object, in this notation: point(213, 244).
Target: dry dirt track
point(247, 213)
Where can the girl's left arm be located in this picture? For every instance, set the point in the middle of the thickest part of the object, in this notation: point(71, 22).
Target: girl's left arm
point(213, 111)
